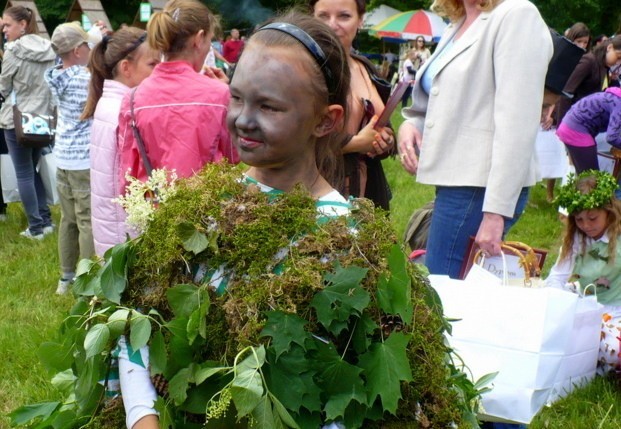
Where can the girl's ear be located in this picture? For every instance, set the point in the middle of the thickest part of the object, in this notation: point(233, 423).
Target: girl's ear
point(123, 68)
point(330, 120)
point(199, 38)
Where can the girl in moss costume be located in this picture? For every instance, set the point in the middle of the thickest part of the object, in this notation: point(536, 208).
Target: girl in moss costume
point(287, 97)
point(590, 258)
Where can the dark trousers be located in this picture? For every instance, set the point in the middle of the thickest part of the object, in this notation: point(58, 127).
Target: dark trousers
point(3, 151)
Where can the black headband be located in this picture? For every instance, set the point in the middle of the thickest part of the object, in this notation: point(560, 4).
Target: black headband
point(309, 43)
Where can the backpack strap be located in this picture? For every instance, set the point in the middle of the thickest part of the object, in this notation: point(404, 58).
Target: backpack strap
point(141, 149)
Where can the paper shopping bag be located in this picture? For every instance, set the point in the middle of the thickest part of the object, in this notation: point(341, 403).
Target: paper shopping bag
point(9, 180)
point(523, 334)
point(47, 171)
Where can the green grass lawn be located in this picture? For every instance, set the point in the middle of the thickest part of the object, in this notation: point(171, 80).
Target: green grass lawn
point(31, 312)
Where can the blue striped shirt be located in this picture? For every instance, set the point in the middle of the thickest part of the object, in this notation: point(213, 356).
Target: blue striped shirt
point(73, 136)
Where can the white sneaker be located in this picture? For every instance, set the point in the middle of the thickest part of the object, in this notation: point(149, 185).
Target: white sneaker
point(2, 217)
point(63, 286)
point(47, 230)
point(30, 235)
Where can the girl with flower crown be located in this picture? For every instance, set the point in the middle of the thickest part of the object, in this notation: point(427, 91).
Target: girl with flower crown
point(590, 258)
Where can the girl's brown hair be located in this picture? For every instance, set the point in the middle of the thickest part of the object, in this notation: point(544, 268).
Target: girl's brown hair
point(600, 51)
point(613, 211)
point(454, 9)
point(578, 30)
point(327, 149)
point(21, 13)
point(105, 57)
point(170, 29)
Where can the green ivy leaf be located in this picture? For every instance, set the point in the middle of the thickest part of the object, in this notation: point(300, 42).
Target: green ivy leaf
point(386, 365)
point(246, 390)
point(292, 380)
point(350, 386)
point(140, 331)
point(343, 297)
point(207, 371)
point(117, 322)
point(55, 356)
point(114, 273)
point(179, 384)
point(284, 329)
point(68, 419)
point(96, 339)
point(85, 274)
point(64, 381)
point(157, 353)
point(191, 239)
point(184, 299)
point(394, 294)
point(338, 405)
point(88, 390)
point(283, 413)
point(166, 419)
point(27, 413)
point(263, 416)
point(197, 325)
point(361, 335)
point(254, 360)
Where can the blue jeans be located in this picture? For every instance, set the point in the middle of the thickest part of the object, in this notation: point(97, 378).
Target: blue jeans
point(29, 184)
point(457, 215)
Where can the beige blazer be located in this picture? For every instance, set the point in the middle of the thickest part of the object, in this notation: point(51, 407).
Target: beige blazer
point(480, 118)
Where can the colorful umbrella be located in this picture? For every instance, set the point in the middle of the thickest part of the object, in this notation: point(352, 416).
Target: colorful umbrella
point(409, 25)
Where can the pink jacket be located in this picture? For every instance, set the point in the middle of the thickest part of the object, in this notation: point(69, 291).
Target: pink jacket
point(108, 218)
point(181, 116)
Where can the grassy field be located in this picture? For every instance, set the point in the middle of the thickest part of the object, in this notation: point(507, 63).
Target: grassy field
point(31, 312)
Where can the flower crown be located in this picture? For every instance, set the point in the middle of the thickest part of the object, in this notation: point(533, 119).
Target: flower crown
point(574, 201)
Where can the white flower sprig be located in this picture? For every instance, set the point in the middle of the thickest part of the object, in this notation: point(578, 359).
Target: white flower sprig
point(142, 198)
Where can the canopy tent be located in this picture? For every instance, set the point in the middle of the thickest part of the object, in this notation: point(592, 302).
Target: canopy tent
point(92, 9)
point(410, 25)
point(156, 6)
point(32, 6)
point(377, 15)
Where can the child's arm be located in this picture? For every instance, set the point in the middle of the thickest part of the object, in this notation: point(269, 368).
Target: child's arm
point(613, 135)
point(136, 388)
point(560, 272)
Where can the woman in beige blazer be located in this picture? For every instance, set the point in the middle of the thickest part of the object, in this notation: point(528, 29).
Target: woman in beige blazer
point(475, 112)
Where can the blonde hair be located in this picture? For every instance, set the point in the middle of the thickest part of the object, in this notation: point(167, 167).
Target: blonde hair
point(169, 30)
point(454, 9)
point(613, 212)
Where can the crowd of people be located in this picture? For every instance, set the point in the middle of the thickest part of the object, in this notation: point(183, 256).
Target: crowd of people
point(296, 104)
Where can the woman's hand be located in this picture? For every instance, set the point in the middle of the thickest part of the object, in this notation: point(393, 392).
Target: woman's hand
point(363, 141)
point(215, 73)
point(489, 236)
point(384, 141)
point(408, 141)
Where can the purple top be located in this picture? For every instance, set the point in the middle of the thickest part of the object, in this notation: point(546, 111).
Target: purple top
point(598, 113)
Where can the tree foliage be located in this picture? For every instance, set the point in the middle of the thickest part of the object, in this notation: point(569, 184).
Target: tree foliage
point(602, 16)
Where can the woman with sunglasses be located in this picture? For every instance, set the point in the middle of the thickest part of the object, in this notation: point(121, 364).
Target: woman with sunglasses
point(364, 145)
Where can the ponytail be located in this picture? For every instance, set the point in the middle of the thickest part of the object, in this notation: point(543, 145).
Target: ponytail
point(103, 61)
point(21, 13)
point(170, 29)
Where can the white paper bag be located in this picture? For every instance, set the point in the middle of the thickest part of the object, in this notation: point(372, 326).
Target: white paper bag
point(47, 171)
point(553, 160)
point(528, 336)
point(9, 180)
